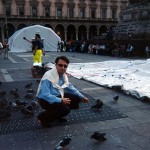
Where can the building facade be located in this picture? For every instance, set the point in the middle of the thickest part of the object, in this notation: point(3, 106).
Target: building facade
point(70, 19)
point(134, 21)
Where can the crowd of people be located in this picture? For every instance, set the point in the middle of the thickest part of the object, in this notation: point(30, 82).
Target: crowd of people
point(101, 48)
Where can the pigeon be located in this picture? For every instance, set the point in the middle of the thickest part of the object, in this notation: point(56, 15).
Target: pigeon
point(116, 98)
point(4, 114)
point(145, 99)
point(29, 96)
point(13, 106)
point(34, 104)
point(98, 136)
point(30, 108)
point(3, 103)
point(26, 112)
point(21, 103)
point(16, 95)
point(13, 91)
point(98, 105)
point(30, 91)
point(62, 144)
point(29, 85)
point(8, 108)
point(3, 93)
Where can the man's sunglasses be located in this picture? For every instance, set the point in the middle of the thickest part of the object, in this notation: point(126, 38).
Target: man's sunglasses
point(61, 65)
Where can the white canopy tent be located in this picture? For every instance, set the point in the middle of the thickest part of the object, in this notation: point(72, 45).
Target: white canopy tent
point(18, 44)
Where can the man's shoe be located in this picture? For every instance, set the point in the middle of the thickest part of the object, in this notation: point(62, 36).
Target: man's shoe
point(62, 120)
point(44, 124)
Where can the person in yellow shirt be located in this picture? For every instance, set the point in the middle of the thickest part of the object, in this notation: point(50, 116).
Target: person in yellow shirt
point(38, 51)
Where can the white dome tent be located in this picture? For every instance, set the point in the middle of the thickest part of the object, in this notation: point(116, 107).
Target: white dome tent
point(18, 44)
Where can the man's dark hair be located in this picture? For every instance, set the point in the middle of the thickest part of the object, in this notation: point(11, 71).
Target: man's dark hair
point(38, 36)
point(62, 58)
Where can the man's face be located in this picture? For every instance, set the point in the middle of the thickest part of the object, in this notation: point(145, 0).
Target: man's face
point(36, 37)
point(61, 66)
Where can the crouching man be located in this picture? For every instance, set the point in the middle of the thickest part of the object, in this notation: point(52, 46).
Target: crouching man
point(56, 95)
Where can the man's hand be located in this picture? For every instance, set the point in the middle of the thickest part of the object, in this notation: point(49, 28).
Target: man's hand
point(85, 100)
point(66, 101)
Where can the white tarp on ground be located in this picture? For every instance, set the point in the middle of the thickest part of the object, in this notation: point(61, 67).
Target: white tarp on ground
point(132, 76)
point(18, 44)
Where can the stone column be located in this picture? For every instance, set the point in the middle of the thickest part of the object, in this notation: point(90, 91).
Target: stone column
point(65, 32)
point(64, 10)
point(14, 8)
point(27, 8)
point(40, 9)
point(97, 30)
point(87, 34)
point(76, 10)
point(108, 11)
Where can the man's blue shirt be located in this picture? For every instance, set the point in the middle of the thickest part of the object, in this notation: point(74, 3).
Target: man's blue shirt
point(50, 93)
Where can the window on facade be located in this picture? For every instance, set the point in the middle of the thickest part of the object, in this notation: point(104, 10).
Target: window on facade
point(70, 12)
point(82, 13)
point(93, 12)
point(8, 10)
point(47, 11)
point(113, 13)
point(104, 13)
point(59, 12)
point(21, 11)
point(34, 11)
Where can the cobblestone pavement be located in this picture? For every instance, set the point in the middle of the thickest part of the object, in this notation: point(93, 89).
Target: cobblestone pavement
point(128, 133)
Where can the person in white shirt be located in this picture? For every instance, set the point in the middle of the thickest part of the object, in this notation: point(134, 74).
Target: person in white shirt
point(1, 48)
point(147, 51)
point(130, 50)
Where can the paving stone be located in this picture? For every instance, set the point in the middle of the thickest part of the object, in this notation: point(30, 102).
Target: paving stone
point(20, 74)
point(138, 116)
point(119, 104)
point(56, 132)
point(144, 107)
point(108, 124)
point(128, 109)
point(146, 147)
point(8, 143)
point(141, 129)
point(24, 136)
point(146, 111)
point(29, 145)
point(124, 135)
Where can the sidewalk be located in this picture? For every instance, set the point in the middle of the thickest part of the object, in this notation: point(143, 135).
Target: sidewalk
point(128, 133)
